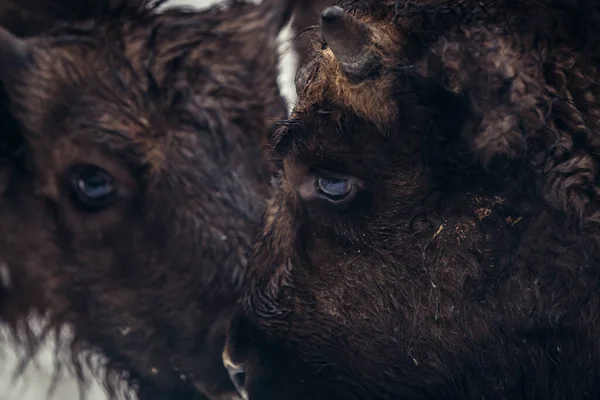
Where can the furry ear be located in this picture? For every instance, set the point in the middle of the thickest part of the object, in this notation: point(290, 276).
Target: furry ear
point(15, 58)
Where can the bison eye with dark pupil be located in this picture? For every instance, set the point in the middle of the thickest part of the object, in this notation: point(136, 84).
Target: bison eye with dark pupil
point(337, 190)
point(93, 188)
point(334, 188)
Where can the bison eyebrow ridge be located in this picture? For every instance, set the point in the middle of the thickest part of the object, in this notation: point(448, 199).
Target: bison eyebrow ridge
point(290, 137)
point(285, 139)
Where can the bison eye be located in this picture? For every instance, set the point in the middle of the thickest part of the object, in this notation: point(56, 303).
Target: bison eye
point(336, 189)
point(93, 188)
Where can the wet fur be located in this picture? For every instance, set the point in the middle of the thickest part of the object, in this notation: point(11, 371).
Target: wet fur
point(175, 105)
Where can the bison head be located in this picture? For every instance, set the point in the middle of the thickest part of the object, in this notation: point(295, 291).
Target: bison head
point(434, 230)
point(132, 177)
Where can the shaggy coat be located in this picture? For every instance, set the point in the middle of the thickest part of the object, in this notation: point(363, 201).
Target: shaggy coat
point(132, 176)
point(435, 230)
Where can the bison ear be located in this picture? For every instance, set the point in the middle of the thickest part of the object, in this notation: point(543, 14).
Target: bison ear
point(15, 58)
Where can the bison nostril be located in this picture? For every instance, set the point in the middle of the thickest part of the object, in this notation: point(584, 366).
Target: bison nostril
point(237, 375)
point(238, 378)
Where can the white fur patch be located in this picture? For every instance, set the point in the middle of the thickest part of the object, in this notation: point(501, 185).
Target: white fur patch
point(288, 62)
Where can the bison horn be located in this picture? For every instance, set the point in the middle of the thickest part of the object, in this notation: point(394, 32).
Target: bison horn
point(15, 57)
point(351, 42)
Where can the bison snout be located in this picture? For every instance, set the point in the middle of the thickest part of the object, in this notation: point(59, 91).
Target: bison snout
point(237, 375)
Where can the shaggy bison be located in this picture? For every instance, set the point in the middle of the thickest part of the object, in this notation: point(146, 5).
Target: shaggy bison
point(132, 177)
point(435, 230)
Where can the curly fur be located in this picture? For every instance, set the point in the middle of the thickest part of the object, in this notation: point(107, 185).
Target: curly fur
point(469, 267)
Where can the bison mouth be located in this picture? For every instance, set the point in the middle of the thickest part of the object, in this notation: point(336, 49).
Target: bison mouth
point(263, 367)
point(248, 372)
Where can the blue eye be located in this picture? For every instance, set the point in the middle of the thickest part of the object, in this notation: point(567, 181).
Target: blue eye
point(319, 187)
point(334, 188)
point(93, 188)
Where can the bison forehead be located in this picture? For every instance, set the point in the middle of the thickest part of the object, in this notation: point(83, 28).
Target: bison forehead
point(163, 82)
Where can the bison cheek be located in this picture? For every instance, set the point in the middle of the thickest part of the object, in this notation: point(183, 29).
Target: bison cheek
point(29, 255)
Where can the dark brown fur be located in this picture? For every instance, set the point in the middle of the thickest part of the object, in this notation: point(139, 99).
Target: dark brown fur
point(175, 107)
point(470, 266)
point(32, 17)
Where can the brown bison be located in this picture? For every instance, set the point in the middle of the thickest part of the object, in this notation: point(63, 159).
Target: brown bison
point(132, 177)
point(435, 230)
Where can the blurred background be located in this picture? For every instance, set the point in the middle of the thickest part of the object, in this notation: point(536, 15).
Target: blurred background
point(35, 382)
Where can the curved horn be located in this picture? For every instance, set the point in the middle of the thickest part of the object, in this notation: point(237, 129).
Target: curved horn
point(15, 57)
point(351, 42)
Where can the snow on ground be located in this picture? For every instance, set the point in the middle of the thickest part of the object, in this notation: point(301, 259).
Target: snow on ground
point(36, 380)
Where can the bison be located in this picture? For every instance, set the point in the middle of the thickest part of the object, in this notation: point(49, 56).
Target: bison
point(435, 227)
point(133, 175)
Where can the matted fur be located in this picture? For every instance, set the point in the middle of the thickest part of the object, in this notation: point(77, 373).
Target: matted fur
point(470, 266)
point(175, 105)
